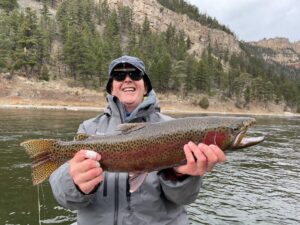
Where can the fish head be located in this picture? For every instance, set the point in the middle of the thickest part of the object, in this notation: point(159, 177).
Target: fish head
point(238, 133)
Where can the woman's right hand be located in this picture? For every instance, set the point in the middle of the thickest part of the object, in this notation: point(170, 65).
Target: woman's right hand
point(85, 170)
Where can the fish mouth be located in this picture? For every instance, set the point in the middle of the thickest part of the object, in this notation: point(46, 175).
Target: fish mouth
point(243, 141)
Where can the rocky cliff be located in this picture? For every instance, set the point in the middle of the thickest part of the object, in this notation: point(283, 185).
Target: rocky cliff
point(280, 50)
point(160, 18)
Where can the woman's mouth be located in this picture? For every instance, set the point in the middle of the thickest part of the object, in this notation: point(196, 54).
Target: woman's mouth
point(129, 89)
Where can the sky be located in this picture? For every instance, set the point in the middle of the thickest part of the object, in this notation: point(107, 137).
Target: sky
point(253, 20)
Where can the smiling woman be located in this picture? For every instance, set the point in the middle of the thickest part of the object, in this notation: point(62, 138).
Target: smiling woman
point(89, 187)
point(128, 85)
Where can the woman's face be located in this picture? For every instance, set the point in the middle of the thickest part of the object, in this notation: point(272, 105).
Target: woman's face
point(130, 92)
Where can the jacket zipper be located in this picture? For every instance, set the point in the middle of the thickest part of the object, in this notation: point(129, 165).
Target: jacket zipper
point(105, 185)
point(116, 213)
point(116, 199)
point(128, 194)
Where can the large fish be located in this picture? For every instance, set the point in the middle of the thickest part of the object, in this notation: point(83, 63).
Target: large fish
point(142, 147)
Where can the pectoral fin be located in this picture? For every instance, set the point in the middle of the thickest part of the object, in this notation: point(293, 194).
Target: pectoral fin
point(136, 180)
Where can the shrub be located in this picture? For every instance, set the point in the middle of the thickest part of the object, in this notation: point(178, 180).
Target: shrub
point(204, 103)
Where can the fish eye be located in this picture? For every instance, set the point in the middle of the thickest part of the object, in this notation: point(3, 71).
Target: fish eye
point(235, 129)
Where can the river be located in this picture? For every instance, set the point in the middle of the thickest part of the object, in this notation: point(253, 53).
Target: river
point(257, 185)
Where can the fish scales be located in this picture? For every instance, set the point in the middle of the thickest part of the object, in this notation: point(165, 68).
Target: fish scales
point(144, 146)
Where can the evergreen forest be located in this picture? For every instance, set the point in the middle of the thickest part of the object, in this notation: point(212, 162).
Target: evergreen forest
point(82, 37)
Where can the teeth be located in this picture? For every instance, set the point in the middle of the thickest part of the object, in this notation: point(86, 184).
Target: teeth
point(129, 89)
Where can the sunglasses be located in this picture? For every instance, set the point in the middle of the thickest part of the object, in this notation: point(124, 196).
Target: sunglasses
point(121, 75)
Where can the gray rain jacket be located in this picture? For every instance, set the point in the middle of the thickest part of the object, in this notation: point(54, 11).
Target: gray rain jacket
point(158, 201)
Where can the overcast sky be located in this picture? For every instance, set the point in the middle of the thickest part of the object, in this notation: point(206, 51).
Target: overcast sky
point(253, 20)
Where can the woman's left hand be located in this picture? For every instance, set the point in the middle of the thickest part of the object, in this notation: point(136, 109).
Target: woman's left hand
point(200, 158)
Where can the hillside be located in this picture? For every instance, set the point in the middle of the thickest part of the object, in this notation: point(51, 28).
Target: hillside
point(280, 50)
point(160, 18)
point(187, 54)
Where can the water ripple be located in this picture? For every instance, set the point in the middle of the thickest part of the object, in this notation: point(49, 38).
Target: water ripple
point(258, 185)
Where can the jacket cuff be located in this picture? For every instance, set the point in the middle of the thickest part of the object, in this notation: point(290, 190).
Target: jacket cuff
point(170, 174)
point(92, 192)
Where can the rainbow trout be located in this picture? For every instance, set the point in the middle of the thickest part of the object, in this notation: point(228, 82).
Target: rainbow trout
point(142, 147)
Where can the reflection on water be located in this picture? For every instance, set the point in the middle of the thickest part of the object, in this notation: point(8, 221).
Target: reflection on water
point(255, 185)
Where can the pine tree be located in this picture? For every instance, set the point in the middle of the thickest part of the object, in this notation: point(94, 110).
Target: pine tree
point(268, 92)
point(247, 95)
point(100, 63)
point(112, 36)
point(202, 79)
point(191, 71)
point(232, 75)
point(5, 41)
point(179, 77)
point(62, 16)
point(72, 50)
point(160, 70)
point(8, 5)
point(26, 42)
point(46, 31)
point(257, 89)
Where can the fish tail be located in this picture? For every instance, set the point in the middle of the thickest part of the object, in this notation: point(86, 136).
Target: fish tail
point(40, 152)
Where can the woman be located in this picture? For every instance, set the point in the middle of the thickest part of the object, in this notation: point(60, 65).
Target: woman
point(103, 197)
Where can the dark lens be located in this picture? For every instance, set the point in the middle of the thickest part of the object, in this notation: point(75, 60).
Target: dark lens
point(120, 76)
point(136, 75)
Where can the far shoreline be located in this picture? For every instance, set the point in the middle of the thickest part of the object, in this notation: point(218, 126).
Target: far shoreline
point(166, 111)
point(24, 93)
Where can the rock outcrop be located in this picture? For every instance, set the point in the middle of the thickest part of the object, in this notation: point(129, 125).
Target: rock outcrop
point(160, 18)
point(282, 51)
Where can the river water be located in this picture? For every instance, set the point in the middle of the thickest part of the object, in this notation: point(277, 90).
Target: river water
point(257, 185)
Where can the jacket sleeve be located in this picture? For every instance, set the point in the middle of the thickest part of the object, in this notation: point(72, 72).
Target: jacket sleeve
point(181, 192)
point(65, 191)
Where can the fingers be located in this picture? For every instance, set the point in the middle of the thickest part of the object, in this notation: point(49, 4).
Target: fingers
point(84, 154)
point(84, 160)
point(213, 155)
point(189, 154)
point(88, 186)
point(196, 161)
point(210, 155)
point(200, 159)
point(88, 176)
point(85, 170)
point(218, 152)
point(200, 162)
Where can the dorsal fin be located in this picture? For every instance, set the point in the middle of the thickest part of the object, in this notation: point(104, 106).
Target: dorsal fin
point(81, 137)
point(129, 127)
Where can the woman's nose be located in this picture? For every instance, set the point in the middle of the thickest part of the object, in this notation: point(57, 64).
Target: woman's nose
point(127, 78)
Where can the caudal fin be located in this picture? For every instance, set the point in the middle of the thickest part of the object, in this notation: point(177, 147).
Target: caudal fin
point(42, 166)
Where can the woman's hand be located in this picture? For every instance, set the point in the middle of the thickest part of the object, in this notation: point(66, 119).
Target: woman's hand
point(85, 170)
point(200, 159)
